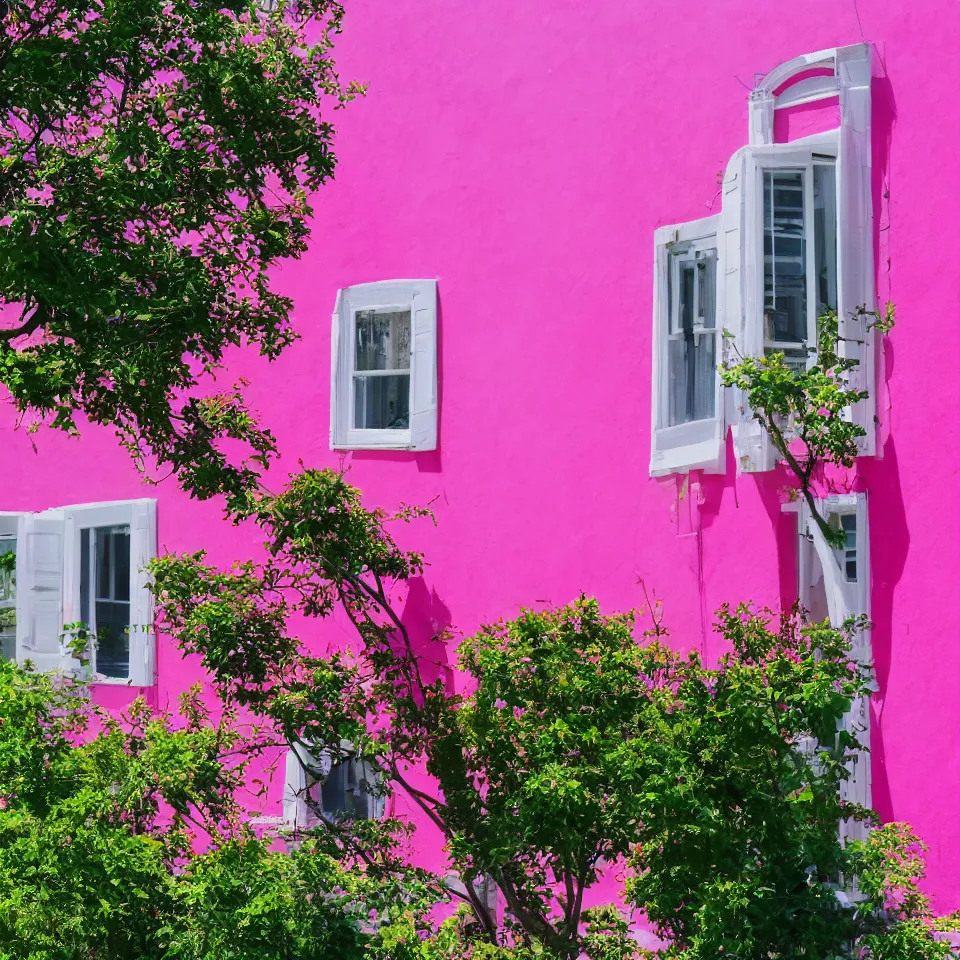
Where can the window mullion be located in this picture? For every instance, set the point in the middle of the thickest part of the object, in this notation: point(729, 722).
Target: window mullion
point(91, 612)
point(810, 240)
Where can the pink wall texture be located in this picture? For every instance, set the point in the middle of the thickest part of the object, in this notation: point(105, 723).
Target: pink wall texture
point(523, 154)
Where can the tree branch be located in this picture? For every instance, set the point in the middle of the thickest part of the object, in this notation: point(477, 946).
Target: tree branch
point(38, 318)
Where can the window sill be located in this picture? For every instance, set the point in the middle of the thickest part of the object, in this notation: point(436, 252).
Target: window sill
point(697, 445)
point(118, 682)
point(375, 440)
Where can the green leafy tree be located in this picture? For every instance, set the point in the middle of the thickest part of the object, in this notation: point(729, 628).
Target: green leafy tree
point(156, 160)
point(122, 838)
point(576, 749)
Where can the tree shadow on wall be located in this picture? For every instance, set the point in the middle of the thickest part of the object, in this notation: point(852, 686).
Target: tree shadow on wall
point(427, 620)
point(769, 487)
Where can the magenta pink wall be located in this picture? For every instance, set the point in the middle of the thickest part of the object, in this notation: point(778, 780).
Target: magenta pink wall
point(523, 154)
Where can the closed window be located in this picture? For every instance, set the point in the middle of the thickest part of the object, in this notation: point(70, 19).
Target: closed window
point(691, 340)
point(381, 369)
point(384, 367)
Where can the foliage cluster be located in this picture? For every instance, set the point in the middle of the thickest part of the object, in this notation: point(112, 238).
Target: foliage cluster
point(122, 838)
point(156, 159)
point(805, 410)
point(569, 749)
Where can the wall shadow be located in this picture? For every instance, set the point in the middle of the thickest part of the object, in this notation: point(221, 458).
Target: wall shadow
point(427, 461)
point(889, 546)
point(427, 621)
point(770, 487)
point(713, 486)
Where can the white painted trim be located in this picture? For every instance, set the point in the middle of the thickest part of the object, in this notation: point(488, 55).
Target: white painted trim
point(808, 90)
point(420, 298)
point(699, 444)
point(140, 516)
point(833, 58)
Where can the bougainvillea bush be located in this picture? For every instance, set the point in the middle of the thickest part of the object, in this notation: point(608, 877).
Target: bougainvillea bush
point(156, 160)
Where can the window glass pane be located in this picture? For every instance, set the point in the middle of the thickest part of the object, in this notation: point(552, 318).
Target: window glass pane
point(111, 597)
point(707, 281)
point(121, 567)
point(848, 522)
point(825, 234)
point(381, 403)
point(8, 578)
point(704, 371)
point(784, 259)
point(113, 563)
point(336, 795)
point(113, 640)
point(691, 349)
point(688, 279)
point(383, 340)
point(86, 613)
point(8, 603)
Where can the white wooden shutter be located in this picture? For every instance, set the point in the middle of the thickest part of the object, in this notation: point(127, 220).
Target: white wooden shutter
point(40, 556)
point(143, 549)
point(855, 231)
point(294, 791)
point(339, 379)
point(698, 444)
point(423, 375)
point(741, 246)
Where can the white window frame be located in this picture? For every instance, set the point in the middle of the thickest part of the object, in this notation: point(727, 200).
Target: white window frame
point(305, 771)
point(786, 157)
point(698, 444)
point(140, 516)
point(743, 227)
point(420, 298)
point(845, 599)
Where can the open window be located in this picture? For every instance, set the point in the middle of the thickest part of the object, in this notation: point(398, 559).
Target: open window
point(106, 587)
point(81, 564)
point(337, 785)
point(834, 584)
point(798, 233)
point(687, 429)
point(384, 367)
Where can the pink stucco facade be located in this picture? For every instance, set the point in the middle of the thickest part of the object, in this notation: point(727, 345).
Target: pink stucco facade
point(523, 155)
